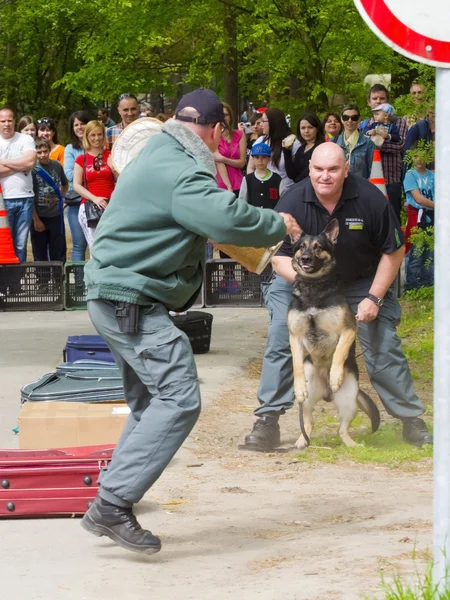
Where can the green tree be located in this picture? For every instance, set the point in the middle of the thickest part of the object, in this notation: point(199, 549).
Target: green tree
point(296, 54)
point(39, 42)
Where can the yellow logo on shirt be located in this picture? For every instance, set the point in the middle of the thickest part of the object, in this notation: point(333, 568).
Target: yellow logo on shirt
point(354, 223)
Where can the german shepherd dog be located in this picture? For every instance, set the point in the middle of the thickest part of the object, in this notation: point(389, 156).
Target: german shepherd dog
point(322, 332)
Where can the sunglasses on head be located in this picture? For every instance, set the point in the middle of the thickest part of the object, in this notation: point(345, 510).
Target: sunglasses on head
point(354, 118)
point(98, 162)
point(125, 96)
point(44, 121)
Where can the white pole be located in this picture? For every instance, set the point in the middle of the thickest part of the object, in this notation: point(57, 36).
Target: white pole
point(442, 335)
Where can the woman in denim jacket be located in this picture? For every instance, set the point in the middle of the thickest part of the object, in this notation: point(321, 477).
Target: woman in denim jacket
point(357, 147)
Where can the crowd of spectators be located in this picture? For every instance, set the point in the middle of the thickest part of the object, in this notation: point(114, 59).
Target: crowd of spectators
point(395, 138)
point(257, 159)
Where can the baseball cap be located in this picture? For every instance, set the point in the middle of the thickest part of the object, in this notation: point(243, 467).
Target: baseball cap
point(261, 150)
point(206, 102)
point(387, 108)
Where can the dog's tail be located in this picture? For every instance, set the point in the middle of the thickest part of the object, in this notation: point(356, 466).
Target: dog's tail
point(366, 404)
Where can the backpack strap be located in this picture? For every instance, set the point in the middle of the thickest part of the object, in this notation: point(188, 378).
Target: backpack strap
point(45, 175)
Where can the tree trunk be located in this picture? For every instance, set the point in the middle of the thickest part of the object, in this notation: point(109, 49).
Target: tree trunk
point(230, 59)
point(294, 88)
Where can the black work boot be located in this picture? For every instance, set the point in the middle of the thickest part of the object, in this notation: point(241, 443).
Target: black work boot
point(119, 524)
point(415, 432)
point(265, 435)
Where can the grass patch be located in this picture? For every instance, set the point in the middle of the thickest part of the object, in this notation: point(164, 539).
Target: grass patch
point(384, 447)
point(416, 333)
point(422, 589)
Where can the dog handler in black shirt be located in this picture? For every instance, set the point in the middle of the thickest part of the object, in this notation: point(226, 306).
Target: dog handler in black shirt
point(369, 252)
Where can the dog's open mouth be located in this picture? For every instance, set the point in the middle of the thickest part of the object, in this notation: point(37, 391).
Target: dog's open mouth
point(308, 267)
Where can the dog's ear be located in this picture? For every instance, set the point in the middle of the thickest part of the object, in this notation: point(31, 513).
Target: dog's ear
point(331, 231)
point(296, 243)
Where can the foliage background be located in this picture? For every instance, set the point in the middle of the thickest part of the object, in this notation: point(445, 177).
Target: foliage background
point(62, 55)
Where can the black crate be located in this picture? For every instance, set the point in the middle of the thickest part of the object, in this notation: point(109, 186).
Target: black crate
point(74, 289)
point(228, 283)
point(31, 286)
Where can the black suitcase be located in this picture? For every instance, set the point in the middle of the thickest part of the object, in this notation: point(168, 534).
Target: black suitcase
point(197, 325)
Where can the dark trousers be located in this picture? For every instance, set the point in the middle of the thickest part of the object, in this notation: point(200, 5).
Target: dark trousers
point(419, 269)
point(394, 191)
point(49, 244)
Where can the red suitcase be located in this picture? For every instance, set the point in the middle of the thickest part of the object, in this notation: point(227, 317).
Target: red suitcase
point(60, 482)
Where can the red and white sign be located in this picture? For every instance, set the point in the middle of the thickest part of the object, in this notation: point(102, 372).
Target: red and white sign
point(418, 29)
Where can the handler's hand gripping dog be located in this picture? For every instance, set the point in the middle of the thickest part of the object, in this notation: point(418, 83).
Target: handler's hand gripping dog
point(322, 332)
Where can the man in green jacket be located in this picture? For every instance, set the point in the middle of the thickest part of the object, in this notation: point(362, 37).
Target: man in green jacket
point(148, 259)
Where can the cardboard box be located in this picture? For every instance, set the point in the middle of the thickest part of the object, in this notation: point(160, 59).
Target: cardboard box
point(62, 424)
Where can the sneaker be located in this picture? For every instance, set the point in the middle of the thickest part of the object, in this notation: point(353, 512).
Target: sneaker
point(415, 432)
point(119, 524)
point(265, 435)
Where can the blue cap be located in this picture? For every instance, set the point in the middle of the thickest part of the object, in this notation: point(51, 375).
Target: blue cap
point(261, 150)
point(387, 108)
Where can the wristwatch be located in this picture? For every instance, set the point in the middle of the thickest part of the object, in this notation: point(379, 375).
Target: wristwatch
point(378, 301)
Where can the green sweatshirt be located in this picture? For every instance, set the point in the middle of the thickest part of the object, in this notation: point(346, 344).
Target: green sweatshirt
point(150, 242)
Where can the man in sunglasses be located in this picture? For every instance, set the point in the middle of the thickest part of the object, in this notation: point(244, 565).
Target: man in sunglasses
point(17, 160)
point(129, 111)
point(147, 259)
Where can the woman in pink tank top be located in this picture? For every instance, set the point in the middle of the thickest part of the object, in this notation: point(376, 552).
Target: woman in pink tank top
point(230, 156)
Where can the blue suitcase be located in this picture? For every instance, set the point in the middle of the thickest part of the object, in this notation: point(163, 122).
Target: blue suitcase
point(196, 325)
point(79, 347)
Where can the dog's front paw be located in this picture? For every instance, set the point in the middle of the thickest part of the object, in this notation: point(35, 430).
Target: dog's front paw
point(301, 391)
point(336, 378)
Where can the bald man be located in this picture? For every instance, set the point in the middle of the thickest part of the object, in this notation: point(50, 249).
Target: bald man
point(369, 252)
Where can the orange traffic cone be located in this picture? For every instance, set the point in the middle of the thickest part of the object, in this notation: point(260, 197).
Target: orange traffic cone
point(7, 254)
point(376, 173)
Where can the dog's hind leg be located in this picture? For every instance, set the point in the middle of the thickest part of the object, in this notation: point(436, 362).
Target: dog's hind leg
point(298, 355)
point(345, 400)
point(316, 391)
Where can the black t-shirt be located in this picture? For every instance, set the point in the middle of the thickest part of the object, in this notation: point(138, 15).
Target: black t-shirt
point(45, 198)
point(368, 226)
point(297, 168)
